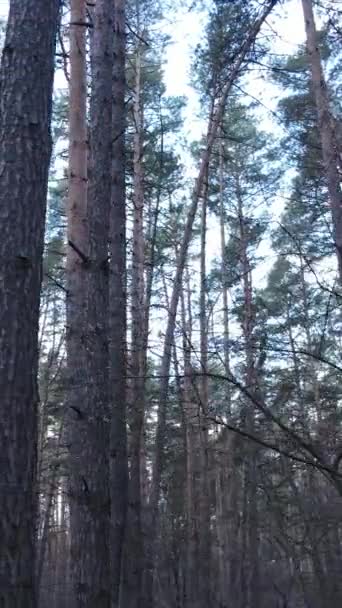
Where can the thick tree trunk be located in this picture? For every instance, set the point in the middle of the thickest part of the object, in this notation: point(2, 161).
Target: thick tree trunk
point(88, 312)
point(76, 277)
point(117, 311)
point(330, 151)
point(95, 551)
point(26, 80)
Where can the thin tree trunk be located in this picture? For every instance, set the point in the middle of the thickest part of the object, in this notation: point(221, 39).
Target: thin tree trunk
point(51, 494)
point(134, 551)
point(224, 276)
point(117, 311)
point(191, 410)
point(76, 273)
point(250, 565)
point(204, 524)
point(330, 151)
point(26, 81)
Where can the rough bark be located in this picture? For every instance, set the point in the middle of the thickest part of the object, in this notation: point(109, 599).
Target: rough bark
point(250, 588)
point(224, 276)
point(96, 577)
point(226, 518)
point(117, 311)
point(205, 536)
point(76, 277)
point(167, 351)
point(26, 81)
point(331, 158)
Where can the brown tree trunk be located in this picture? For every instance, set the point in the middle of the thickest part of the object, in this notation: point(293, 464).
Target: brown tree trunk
point(224, 276)
point(205, 537)
point(90, 512)
point(250, 563)
point(117, 311)
point(330, 151)
point(26, 80)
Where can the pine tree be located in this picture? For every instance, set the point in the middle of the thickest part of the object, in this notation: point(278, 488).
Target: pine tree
point(26, 100)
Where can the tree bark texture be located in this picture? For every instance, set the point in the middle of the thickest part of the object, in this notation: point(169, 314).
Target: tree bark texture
point(250, 588)
point(96, 582)
point(226, 348)
point(204, 497)
point(117, 311)
point(135, 543)
point(76, 276)
point(26, 82)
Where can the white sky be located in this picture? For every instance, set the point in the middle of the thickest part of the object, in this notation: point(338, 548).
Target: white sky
point(186, 29)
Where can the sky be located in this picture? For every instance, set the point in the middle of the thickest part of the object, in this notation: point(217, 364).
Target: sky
point(186, 31)
point(186, 28)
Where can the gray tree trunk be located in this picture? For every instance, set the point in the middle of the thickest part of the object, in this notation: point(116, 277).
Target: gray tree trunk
point(226, 348)
point(96, 585)
point(135, 544)
point(26, 81)
point(117, 311)
point(204, 496)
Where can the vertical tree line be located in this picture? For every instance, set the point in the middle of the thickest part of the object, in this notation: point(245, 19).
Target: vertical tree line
point(170, 325)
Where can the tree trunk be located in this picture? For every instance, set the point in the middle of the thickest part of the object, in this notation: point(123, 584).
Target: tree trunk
point(117, 311)
point(76, 275)
point(51, 493)
point(204, 523)
point(330, 152)
point(90, 512)
point(95, 550)
point(26, 81)
point(224, 276)
point(250, 563)
point(191, 416)
point(134, 551)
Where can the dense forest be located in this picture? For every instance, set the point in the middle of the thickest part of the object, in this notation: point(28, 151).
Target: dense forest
point(170, 305)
